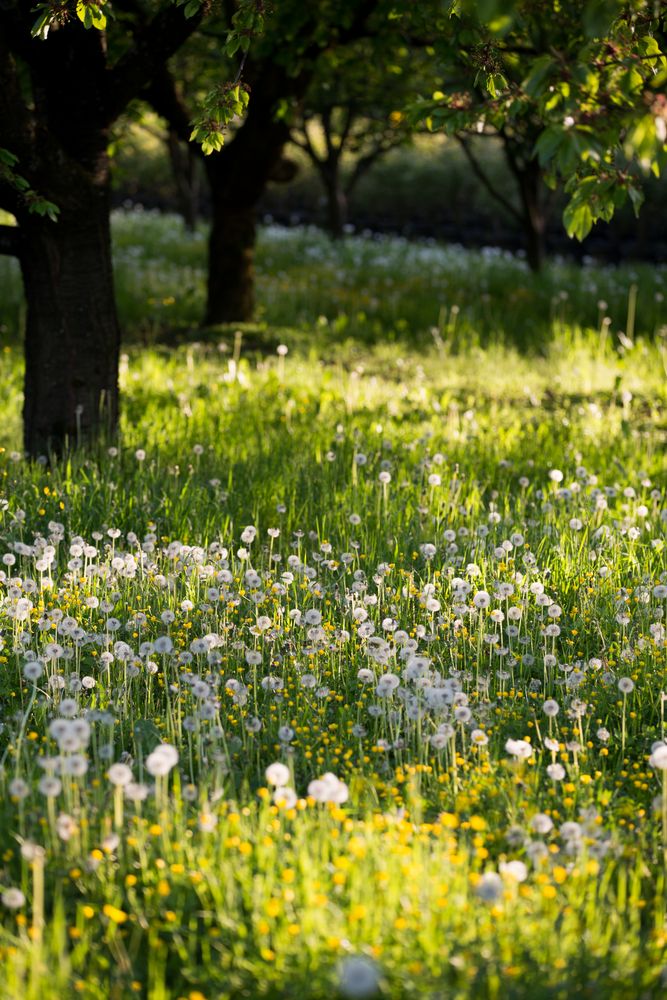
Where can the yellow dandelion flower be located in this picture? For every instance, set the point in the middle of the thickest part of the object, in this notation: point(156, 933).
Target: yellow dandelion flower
point(115, 915)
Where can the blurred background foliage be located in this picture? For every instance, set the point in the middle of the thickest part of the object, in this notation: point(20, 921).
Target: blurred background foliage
point(424, 189)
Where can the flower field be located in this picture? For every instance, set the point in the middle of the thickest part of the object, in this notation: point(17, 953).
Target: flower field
point(344, 672)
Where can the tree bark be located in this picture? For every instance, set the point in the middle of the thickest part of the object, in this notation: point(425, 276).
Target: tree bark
point(336, 202)
point(238, 175)
point(231, 260)
point(529, 178)
point(72, 336)
point(60, 135)
point(534, 212)
point(535, 216)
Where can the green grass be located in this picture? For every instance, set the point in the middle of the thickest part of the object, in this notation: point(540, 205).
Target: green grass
point(387, 290)
point(366, 290)
point(209, 888)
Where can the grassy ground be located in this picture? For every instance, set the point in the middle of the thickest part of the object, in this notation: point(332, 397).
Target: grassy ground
point(364, 290)
point(436, 570)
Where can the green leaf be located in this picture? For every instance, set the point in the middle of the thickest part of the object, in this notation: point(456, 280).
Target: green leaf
point(500, 25)
point(40, 206)
point(494, 83)
point(233, 45)
point(7, 158)
point(91, 14)
point(41, 25)
point(578, 219)
point(212, 143)
point(492, 12)
point(548, 144)
point(636, 196)
point(632, 81)
point(540, 72)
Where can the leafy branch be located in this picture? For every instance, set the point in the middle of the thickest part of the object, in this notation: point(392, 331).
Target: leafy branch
point(219, 109)
point(33, 200)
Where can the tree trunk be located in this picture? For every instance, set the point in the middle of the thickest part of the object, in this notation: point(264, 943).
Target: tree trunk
point(58, 98)
point(72, 334)
point(336, 206)
point(231, 261)
point(534, 215)
point(237, 176)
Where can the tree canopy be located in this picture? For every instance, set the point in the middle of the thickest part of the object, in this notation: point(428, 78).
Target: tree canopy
point(591, 77)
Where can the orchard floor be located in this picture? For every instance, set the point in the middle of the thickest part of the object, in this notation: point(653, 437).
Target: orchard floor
point(394, 609)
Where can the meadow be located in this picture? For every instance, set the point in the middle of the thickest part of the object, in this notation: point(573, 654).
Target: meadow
point(342, 671)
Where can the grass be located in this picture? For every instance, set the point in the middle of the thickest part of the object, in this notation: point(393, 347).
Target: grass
point(395, 489)
point(384, 289)
point(367, 290)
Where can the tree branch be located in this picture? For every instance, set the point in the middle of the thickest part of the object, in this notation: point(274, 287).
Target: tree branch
point(154, 42)
point(306, 143)
point(364, 164)
point(510, 155)
point(350, 118)
point(357, 28)
point(483, 178)
point(163, 96)
point(327, 129)
point(15, 118)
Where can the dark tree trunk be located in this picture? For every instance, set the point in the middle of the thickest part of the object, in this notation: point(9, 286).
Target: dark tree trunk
point(72, 335)
point(534, 214)
point(231, 261)
point(534, 211)
point(336, 203)
point(60, 136)
point(238, 175)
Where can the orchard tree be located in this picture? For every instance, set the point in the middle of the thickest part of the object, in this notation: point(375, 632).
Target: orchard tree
point(462, 91)
point(352, 115)
point(237, 174)
point(66, 74)
point(581, 87)
point(270, 74)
